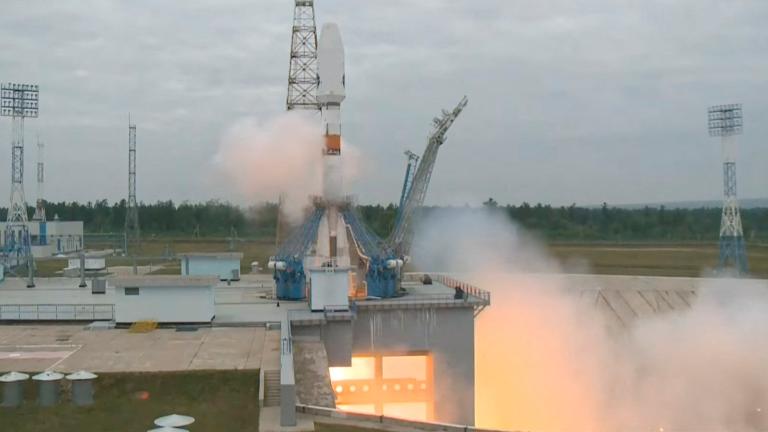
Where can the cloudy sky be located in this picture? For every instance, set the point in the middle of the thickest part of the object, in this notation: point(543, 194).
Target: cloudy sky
point(579, 101)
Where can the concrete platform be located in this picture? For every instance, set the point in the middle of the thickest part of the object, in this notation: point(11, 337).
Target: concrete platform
point(71, 348)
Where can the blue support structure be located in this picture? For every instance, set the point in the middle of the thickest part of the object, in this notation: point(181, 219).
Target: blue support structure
point(733, 251)
point(17, 245)
point(43, 238)
point(410, 173)
point(289, 274)
point(380, 275)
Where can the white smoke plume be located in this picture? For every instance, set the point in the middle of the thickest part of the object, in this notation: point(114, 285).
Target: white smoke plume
point(282, 155)
point(547, 361)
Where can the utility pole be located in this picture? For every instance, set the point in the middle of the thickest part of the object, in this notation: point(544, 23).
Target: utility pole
point(40, 207)
point(132, 232)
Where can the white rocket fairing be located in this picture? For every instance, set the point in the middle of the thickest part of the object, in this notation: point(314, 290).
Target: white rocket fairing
point(330, 94)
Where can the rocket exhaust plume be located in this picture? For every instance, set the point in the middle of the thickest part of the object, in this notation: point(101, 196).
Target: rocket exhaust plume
point(548, 361)
point(263, 159)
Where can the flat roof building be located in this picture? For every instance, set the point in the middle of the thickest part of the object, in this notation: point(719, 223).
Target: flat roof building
point(224, 265)
point(164, 299)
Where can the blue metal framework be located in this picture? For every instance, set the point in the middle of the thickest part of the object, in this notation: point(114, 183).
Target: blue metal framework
point(291, 279)
point(17, 244)
point(380, 275)
point(410, 173)
point(402, 233)
point(733, 251)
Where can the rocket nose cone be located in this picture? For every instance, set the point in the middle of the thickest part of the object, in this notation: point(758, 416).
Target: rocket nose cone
point(330, 65)
point(330, 39)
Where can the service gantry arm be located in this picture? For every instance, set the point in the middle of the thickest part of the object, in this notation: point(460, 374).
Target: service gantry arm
point(401, 237)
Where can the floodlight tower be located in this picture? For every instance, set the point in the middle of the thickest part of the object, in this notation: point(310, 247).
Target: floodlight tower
point(725, 121)
point(302, 71)
point(40, 207)
point(18, 101)
point(132, 233)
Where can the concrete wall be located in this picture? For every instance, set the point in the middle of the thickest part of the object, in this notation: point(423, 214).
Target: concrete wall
point(165, 304)
point(447, 333)
point(210, 266)
point(337, 338)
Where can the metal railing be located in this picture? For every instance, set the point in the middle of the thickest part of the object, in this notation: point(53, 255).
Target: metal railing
point(347, 311)
point(483, 295)
point(287, 378)
point(57, 312)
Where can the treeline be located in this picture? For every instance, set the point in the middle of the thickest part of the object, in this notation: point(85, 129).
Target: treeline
point(611, 224)
point(566, 223)
point(209, 219)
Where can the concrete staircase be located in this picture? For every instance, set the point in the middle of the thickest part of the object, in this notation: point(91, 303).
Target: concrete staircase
point(272, 388)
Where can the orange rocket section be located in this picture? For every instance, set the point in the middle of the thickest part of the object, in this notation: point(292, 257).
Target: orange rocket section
point(333, 144)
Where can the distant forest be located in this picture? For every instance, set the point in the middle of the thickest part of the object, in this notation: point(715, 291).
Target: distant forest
point(567, 223)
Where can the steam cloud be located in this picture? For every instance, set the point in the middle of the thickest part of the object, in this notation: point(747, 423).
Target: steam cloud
point(546, 361)
point(280, 155)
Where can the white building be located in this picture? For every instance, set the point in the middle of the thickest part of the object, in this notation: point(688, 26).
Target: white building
point(224, 265)
point(52, 237)
point(164, 299)
point(329, 288)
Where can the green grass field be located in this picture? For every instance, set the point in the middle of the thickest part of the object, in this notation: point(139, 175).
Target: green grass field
point(664, 259)
point(157, 248)
point(219, 401)
point(690, 260)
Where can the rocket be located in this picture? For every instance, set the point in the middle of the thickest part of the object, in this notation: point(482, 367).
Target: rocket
point(330, 95)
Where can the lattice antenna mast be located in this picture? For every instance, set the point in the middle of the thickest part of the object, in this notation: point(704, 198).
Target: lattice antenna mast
point(18, 101)
point(726, 121)
point(132, 233)
point(40, 207)
point(401, 237)
point(302, 72)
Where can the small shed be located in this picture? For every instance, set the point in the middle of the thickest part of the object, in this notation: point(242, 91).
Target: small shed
point(164, 299)
point(224, 265)
point(329, 288)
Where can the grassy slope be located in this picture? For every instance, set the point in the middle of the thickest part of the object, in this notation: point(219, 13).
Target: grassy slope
point(220, 400)
point(690, 260)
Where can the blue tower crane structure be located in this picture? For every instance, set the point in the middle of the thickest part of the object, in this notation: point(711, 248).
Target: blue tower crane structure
point(288, 263)
point(379, 261)
point(402, 235)
point(410, 173)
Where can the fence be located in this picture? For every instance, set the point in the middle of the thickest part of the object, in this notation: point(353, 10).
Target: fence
point(470, 289)
point(57, 312)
